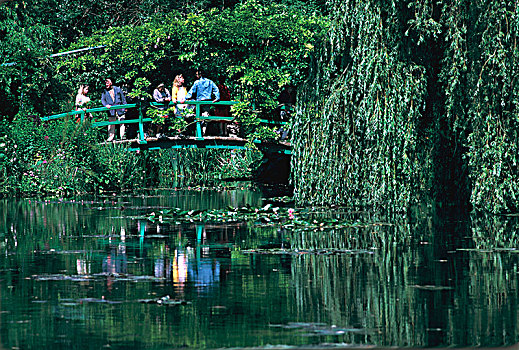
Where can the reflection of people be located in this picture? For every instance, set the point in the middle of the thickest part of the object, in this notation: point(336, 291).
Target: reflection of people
point(82, 267)
point(116, 262)
point(203, 271)
point(179, 268)
point(113, 96)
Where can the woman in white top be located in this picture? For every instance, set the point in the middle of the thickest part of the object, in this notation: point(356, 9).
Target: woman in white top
point(82, 98)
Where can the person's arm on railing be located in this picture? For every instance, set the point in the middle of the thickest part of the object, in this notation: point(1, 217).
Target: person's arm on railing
point(190, 93)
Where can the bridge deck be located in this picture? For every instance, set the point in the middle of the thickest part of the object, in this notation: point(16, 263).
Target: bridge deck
point(207, 142)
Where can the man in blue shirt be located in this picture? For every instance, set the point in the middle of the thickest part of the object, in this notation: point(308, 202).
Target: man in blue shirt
point(203, 88)
point(113, 96)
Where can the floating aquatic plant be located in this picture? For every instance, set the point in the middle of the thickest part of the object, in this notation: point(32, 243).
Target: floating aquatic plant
point(268, 215)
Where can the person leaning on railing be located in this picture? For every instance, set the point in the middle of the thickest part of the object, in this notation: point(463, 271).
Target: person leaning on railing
point(178, 94)
point(204, 89)
point(161, 95)
point(113, 96)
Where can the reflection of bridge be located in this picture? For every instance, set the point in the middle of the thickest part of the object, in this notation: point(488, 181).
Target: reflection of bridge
point(198, 140)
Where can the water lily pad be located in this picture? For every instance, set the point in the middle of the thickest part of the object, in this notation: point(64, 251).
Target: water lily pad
point(165, 300)
point(431, 287)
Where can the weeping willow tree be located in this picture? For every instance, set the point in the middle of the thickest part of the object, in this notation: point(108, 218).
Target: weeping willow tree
point(481, 74)
point(411, 98)
point(356, 134)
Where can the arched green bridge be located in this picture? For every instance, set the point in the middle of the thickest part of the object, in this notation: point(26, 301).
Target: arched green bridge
point(141, 142)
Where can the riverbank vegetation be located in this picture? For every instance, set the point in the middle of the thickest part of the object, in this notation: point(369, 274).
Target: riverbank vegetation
point(397, 102)
point(63, 158)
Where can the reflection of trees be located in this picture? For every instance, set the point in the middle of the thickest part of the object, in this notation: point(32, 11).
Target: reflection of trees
point(201, 198)
point(367, 289)
point(492, 298)
point(420, 286)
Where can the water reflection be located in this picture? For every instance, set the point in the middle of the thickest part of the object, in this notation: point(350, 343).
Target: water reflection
point(94, 274)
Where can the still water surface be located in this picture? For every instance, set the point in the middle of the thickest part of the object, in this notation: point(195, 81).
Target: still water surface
point(95, 274)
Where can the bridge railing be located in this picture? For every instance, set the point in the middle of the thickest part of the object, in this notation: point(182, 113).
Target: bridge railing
point(199, 118)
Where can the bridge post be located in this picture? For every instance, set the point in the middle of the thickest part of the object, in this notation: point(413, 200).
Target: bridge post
point(142, 139)
point(199, 135)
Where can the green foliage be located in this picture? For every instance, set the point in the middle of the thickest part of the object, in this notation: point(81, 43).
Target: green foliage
point(158, 116)
point(412, 98)
point(46, 159)
point(236, 164)
point(118, 168)
point(176, 125)
point(63, 158)
point(482, 96)
point(257, 47)
point(264, 133)
point(153, 39)
point(246, 116)
point(399, 99)
point(27, 75)
point(140, 87)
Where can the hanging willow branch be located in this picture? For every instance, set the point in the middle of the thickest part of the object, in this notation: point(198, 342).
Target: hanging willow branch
point(355, 134)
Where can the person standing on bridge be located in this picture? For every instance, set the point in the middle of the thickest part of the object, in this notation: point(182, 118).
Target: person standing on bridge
point(113, 96)
point(178, 94)
point(82, 99)
point(204, 89)
point(162, 95)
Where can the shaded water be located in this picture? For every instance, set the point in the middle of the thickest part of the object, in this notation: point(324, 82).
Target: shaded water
point(92, 274)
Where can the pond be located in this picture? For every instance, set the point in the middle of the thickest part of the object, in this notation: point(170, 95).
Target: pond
point(95, 273)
